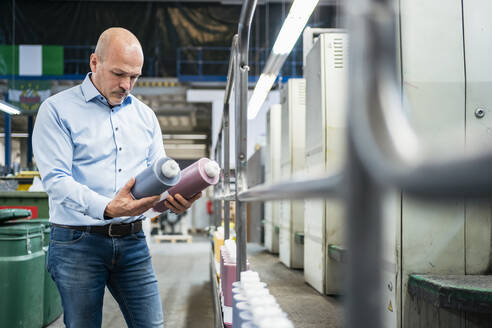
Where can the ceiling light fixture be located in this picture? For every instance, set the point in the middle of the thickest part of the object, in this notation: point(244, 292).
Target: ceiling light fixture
point(296, 20)
point(8, 108)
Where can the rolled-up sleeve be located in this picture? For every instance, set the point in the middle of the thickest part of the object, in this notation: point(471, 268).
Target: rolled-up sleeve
point(53, 152)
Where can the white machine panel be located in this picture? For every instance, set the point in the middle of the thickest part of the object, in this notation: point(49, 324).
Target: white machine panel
point(456, 236)
point(272, 174)
point(314, 210)
point(434, 89)
point(325, 74)
point(478, 47)
point(292, 157)
point(335, 68)
point(391, 210)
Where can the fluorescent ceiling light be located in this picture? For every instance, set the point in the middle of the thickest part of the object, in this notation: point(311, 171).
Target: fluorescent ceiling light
point(260, 93)
point(299, 14)
point(9, 109)
point(15, 135)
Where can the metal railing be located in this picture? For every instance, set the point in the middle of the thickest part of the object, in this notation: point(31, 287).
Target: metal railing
point(193, 64)
point(76, 60)
point(210, 64)
point(383, 151)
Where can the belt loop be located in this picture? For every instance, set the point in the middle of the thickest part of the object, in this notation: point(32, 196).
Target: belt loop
point(88, 228)
point(133, 225)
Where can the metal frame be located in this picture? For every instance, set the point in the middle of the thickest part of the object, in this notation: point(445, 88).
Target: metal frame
point(218, 320)
point(382, 151)
point(8, 142)
point(199, 64)
point(241, 93)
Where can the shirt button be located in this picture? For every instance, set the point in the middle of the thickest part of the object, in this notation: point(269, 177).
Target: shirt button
point(112, 110)
point(116, 128)
point(120, 148)
point(119, 170)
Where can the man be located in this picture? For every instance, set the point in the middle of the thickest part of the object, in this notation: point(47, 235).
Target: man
point(89, 142)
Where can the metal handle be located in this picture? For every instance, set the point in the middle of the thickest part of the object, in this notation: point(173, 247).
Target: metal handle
point(28, 245)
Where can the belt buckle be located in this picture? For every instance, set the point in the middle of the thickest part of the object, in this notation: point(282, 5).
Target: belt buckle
point(110, 233)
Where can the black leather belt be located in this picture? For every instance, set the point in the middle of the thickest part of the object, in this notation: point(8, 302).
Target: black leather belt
point(109, 230)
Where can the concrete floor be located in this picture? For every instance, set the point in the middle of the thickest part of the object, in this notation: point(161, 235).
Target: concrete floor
point(303, 304)
point(184, 283)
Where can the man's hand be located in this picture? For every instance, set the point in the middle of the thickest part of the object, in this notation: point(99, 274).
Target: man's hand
point(178, 204)
point(124, 204)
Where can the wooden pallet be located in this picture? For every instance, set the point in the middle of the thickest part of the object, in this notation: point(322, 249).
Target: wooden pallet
point(196, 231)
point(173, 238)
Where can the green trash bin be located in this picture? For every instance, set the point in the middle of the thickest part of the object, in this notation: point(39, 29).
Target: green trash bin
point(21, 275)
point(26, 199)
point(52, 300)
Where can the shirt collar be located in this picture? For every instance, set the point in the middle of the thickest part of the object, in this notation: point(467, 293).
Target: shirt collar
point(90, 92)
point(88, 89)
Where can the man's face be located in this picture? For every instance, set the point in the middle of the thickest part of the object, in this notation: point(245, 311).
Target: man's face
point(115, 75)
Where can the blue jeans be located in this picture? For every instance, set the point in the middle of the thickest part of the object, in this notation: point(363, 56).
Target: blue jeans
point(82, 264)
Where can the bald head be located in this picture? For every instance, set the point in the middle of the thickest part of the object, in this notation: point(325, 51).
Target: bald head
point(116, 64)
point(116, 39)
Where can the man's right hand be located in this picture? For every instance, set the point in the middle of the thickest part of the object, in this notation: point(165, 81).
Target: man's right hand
point(125, 205)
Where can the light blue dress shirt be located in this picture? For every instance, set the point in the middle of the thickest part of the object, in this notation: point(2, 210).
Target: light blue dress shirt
point(86, 151)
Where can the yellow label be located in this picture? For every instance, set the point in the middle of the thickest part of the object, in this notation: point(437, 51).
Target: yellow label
point(390, 307)
point(23, 187)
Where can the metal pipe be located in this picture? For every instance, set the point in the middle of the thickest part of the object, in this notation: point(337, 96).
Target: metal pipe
point(227, 170)
point(241, 166)
point(324, 186)
point(364, 275)
point(231, 71)
point(220, 202)
point(364, 283)
point(244, 29)
point(227, 197)
point(8, 142)
point(216, 187)
point(225, 127)
point(30, 125)
point(241, 83)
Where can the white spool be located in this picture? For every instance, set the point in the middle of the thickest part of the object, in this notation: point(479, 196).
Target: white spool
point(170, 169)
point(212, 169)
point(249, 273)
point(246, 281)
point(275, 322)
point(255, 290)
point(261, 312)
point(265, 300)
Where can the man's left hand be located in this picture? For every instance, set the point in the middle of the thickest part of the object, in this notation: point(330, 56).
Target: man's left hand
point(178, 204)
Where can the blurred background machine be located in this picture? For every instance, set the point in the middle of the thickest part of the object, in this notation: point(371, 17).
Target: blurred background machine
point(171, 227)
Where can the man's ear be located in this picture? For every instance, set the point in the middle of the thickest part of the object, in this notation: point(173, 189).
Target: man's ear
point(93, 62)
